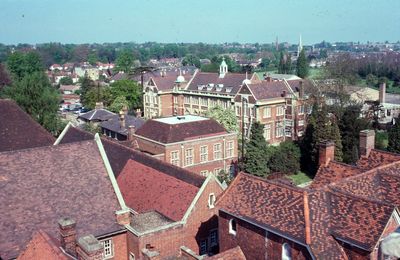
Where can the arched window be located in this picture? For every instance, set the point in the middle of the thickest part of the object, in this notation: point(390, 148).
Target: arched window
point(211, 200)
point(286, 252)
point(232, 227)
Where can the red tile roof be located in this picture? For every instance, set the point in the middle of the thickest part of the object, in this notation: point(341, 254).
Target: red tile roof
point(232, 254)
point(18, 130)
point(172, 133)
point(233, 80)
point(377, 158)
point(146, 189)
point(41, 185)
point(42, 246)
point(118, 155)
point(268, 89)
point(278, 207)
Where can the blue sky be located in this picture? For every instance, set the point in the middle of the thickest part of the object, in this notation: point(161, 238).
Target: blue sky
point(211, 21)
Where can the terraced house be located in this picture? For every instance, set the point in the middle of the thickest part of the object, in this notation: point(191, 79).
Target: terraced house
point(348, 212)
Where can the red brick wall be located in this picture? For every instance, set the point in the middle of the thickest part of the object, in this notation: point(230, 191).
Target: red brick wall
point(168, 242)
point(120, 247)
point(253, 243)
point(166, 103)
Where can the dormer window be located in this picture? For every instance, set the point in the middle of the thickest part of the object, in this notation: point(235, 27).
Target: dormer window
point(232, 227)
point(211, 200)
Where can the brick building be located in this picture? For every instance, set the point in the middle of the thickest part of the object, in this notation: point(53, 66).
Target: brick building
point(195, 143)
point(170, 207)
point(348, 212)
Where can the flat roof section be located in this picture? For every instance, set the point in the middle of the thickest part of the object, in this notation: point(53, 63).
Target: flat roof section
point(174, 120)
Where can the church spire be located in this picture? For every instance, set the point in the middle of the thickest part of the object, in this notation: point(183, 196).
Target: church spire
point(300, 47)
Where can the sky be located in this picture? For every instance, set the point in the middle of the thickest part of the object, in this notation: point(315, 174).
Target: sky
point(209, 21)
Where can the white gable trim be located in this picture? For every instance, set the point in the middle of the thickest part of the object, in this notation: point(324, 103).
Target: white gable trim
point(61, 136)
point(110, 172)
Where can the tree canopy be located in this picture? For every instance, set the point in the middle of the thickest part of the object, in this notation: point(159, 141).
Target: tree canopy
point(394, 137)
point(124, 62)
point(302, 65)
point(128, 89)
point(225, 117)
point(256, 155)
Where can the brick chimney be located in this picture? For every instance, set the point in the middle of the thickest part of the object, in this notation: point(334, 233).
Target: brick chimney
point(123, 216)
point(67, 229)
point(99, 105)
point(89, 248)
point(122, 119)
point(367, 141)
point(301, 90)
point(326, 152)
point(382, 93)
point(131, 132)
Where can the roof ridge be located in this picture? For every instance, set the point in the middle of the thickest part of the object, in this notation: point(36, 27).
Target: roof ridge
point(386, 152)
point(280, 184)
point(338, 192)
point(222, 195)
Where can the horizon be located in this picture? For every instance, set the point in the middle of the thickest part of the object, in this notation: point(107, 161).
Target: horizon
point(82, 22)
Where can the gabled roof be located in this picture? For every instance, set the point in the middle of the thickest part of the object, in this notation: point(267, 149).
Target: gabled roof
point(268, 89)
point(42, 246)
point(114, 124)
point(18, 130)
point(41, 185)
point(231, 80)
point(377, 158)
point(97, 115)
point(162, 132)
point(147, 189)
point(118, 155)
point(277, 207)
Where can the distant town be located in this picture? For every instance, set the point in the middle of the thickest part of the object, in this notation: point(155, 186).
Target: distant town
point(200, 151)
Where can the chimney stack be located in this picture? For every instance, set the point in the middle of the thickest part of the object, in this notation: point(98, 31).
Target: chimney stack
point(382, 92)
point(367, 142)
point(301, 90)
point(131, 132)
point(123, 217)
point(67, 228)
point(99, 105)
point(122, 119)
point(89, 248)
point(326, 152)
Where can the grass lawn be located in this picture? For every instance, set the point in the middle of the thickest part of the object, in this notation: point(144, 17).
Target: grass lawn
point(299, 178)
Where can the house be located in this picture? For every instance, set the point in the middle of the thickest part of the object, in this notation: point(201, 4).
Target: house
point(122, 126)
point(55, 190)
point(69, 89)
point(18, 130)
point(344, 214)
point(99, 114)
point(198, 144)
point(175, 206)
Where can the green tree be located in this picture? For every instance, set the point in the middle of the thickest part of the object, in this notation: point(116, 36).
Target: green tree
point(302, 65)
point(225, 117)
point(93, 58)
point(336, 137)
point(66, 81)
point(285, 158)
point(34, 94)
point(20, 64)
point(191, 60)
point(371, 80)
point(86, 85)
point(124, 62)
point(118, 103)
point(4, 77)
point(394, 137)
point(285, 63)
point(128, 89)
point(256, 155)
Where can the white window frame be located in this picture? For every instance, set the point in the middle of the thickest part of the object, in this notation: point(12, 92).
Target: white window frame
point(175, 100)
point(217, 171)
point(204, 154)
point(286, 252)
point(189, 155)
point(229, 149)
point(175, 159)
point(301, 109)
point(108, 248)
point(267, 132)
point(279, 129)
point(301, 122)
point(211, 200)
point(217, 151)
point(204, 173)
point(186, 99)
point(267, 112)
point(204, 101)
point(232, 231)
point(280, 110)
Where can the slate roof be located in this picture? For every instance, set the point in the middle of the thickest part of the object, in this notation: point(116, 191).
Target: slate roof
point(42, 246)
point(172, 133)
point(307, 85)
point(231, 80)
point(41, 185)
point(268, 89)
point(146, 189)
point(149, 220)
point(118, 155)
point(114, 124)
point(278, 207)
point(18, 130)
point(97, 115)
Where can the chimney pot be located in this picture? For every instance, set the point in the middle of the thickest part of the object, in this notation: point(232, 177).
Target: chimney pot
point(67, 229)
point(382, 93)
point(326, 152)
point(367, 142)
point(122, 119)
